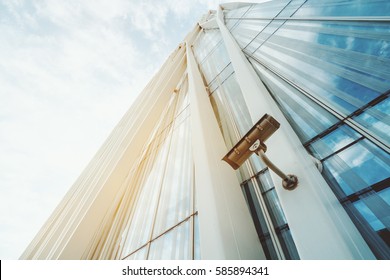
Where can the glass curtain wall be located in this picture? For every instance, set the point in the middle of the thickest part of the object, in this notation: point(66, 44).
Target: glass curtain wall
point(234, 121)
point(326, 64)
point(157, 217)
point(261, 190)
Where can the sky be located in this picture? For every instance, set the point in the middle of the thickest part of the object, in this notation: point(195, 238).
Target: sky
point(69, 70)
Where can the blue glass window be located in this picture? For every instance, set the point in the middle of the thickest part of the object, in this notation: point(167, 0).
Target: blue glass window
point(344, 8)
point(385, 195)
point(359, 173)
point(370, 217)
point(377, 119)
point(259, 221)
point(306, 117)
point(374, 209)
point(357, 167)
point(343, 64)
point(266, 187)
point(334, 141)
point(230, 103)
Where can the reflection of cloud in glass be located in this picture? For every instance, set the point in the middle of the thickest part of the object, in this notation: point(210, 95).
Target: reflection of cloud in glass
point(337, 173)
point(350, 41)
point(345, 78)
point(377, 119)
point(384, 49)
point(346, 8)
point(351, 84)
point(370, 168)
point(358, 166)
point(358, 159)
point(376, 125)
point(334, 141)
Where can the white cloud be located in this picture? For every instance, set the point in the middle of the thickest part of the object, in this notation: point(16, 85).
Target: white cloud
point(150, 18)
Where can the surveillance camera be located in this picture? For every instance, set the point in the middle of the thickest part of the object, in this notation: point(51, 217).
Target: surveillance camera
point(253, 142)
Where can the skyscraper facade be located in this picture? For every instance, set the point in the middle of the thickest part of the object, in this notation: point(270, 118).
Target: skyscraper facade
point(158, 188)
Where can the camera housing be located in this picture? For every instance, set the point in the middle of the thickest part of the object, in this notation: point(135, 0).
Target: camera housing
point(252, 141)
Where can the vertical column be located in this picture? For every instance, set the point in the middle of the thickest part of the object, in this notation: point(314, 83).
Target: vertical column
point(226, 228)
point(319, 225)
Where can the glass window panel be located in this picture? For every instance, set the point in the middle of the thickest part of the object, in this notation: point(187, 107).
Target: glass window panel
point(265, 181)
point(175, 200)
point(237, 13)
point(385, 195)
point(247, 30)
point(257, 163)
point(226, 73)
point(277, 216)
point(288, 244)
point(232, 93)
point(374, 231)
point(268, 247)
point(369, 216)
point(268, 9)
point(231, 23)
point(197, 253)
point(291, 8)
point(243, 173)
point(344, 95)
point(138, 230)
point(215, 62)
point(162, 129)
point(264, 35)
point(182, 118)
point(273, 205)
point(259, 220)
point(334, 141)
point(377, 119)
point(357, 167)
point(139, 255)
point(173, 245)
point(344, 8)
point(232, 17)
point(221, 77)
point(213, 86)
point(379, 207)
point(204, 45)
point(336, 72)
point(147, 181)
point(231, 111)
point(306, 117)
point(224, 119)
point(255, 208)
point(379, 204)
point(368, 38)
point(372, 46)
